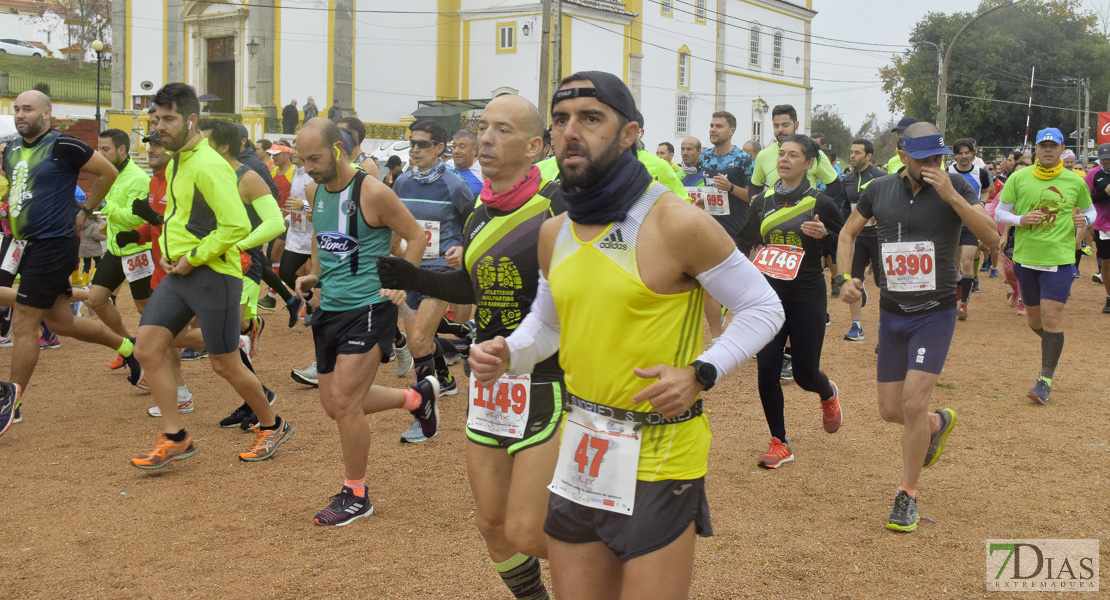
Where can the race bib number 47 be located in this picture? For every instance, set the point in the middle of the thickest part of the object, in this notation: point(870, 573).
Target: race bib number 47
point(598, 459)
point(910, 266)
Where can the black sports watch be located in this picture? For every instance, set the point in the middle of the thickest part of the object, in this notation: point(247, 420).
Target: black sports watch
point(841, 279)
point(705, 373)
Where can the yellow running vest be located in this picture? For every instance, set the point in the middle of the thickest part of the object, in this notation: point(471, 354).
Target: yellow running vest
point(612, 323)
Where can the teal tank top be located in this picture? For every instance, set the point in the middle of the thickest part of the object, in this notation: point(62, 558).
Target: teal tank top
point(348, 249)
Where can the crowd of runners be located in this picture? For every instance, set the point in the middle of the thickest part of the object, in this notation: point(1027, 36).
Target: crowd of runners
point(531, 254)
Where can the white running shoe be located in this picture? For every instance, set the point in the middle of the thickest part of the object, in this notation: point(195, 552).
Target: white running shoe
point(404, 360)
point(184, 406)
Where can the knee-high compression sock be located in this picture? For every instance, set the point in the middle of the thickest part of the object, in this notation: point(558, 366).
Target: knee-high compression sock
point(276, 285)
point(965, 289)
point(425, 366)
point(1039, 332)
point(440, 362)
point(46, 333)
point(1078, 257)
point(1052, 345)
point(521, 575)
point(977, 259)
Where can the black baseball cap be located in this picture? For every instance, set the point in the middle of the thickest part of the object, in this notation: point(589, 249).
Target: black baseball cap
point(608, 89)
point(1103, 151)
point(393, 161)
point(903, 124)
point(152, 138)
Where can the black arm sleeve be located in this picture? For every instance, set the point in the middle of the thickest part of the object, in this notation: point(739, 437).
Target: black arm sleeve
point(451, 286)
point(72, 153)
point(755, 190)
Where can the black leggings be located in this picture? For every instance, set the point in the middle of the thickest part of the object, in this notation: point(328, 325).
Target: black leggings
point(805, 326)
point(291, 262)
point(88, 262)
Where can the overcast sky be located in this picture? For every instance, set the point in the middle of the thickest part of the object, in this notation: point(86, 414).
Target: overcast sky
point(855, 87)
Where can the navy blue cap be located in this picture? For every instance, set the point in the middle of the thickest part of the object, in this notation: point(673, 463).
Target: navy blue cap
point(924, 146)
point(608, 89)
point(1050, 134)
point(903, 124)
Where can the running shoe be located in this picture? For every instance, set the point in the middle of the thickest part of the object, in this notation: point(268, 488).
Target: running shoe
point(251, 418)
point(1086, 250)
point(1021, 308)
point(294, 307)
point(414, 434)
point(254, 334)
point(184, 406)
point(986, 266)
point(190, 354)
point(307, 375)
point(904, 516)
point(269, 303)
point(76, 306)
point(266, 442)
point(50, 344)
point(1040, 391)
point(9, 402)
point(855, 334)
point(831, 415)
point(1078, 275)
point(938, 438)
point(961, 311)
point(975, 285)
point(344, 508)
point(427, 414)
point(787, 373)
point(118, 363)
point(1105, 309)
point(135, 375)
point(448, 387)
point(994, 273)
point(404, 360)
point(165, 452)
point(236, 417)
point(452, 359)
point(1012, 299)
point(1097, 278)
point(18, 418)
point(777, 455)
point(5, 342)
point(309, 315)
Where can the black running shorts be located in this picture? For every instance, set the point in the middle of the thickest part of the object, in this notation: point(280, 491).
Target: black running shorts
point(867, 252)
point(663, 510)
point(967, 238)
point(354, 331)
point(1103, 247)
point(213, 298)
point(110, 274)
point(45, 269)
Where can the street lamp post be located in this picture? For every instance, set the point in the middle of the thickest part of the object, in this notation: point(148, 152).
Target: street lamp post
point(98, 47)
point(940, 60)
point(942, 112)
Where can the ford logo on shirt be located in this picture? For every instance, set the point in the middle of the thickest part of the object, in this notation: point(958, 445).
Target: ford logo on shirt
point(339, 244)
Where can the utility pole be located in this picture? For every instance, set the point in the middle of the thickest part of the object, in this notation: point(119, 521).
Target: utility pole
point(1086, 117)
point(545, 60)
point(942, 110)
point(556, 43)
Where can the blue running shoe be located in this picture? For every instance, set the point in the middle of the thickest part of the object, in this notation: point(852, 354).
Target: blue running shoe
point(9, 402)
point(1040, 390)
point(855, 334)
point(190, 354)
point(344, 508)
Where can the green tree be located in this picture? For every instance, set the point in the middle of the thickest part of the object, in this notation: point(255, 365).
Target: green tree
point(827, 122)
point(881, 136)
point(989, 70)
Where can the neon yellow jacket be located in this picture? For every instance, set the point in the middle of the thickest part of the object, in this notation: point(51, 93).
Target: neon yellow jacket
point(205, 218)
point(131, 184)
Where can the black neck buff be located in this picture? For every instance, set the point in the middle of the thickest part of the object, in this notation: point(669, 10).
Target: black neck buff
point(609, 199)
point(787, 196)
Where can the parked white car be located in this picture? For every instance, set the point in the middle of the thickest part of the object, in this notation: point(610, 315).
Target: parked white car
point(20, 47)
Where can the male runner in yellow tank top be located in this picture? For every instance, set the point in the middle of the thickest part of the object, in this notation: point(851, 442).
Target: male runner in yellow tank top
point(628, 490)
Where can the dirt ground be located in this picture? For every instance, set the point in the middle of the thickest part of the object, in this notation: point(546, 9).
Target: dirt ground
point(81, 522)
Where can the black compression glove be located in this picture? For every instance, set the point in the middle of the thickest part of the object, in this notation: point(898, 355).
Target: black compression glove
point(141, 208)
point(396, 273)
point(126, 238)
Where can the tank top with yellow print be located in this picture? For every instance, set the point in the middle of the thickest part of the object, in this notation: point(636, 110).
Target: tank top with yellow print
point(612, 323)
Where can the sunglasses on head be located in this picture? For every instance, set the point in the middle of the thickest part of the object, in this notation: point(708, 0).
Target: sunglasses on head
point(424, 144)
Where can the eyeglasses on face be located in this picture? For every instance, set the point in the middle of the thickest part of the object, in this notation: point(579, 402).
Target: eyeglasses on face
point(423, 144)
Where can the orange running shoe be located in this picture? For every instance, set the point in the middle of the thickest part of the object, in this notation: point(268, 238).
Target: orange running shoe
point(266, 442)
point(118, 363)
point(831, 415)
point(777, 455)
point(165, 452)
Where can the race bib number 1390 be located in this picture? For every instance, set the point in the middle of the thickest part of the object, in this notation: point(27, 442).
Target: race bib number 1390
point(910, 266)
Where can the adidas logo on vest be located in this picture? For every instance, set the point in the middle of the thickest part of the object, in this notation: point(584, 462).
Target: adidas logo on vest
point(614, 241)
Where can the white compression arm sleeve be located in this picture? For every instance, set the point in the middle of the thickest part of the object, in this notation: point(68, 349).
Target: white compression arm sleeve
point(537, 337)
point(1004, 215)
point(757, 312)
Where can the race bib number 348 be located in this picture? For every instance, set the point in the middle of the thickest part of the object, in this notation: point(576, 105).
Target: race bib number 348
point(910, 266)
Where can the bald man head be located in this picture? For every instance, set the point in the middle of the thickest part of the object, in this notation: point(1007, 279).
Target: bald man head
point(921, 128)
point(915, 166)
point(32, 114)
point(318, 145)
point(510, 136)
